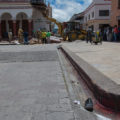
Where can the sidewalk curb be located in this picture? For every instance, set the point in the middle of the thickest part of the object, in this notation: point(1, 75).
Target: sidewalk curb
point(79, 111)
point(95, 81)
point(7, 44)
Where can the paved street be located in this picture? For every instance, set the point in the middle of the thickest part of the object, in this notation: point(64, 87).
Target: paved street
point(34, 85)
point(52, 66)
point(31, 84)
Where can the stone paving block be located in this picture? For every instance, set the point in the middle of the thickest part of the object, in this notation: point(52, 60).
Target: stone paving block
point(40, 116)
point(58, 108)
point(103, 57)
point(81, 114)
point(60, 116)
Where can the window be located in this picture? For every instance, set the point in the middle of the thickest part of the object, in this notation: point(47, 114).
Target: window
point(104, 13)
point(118, 22)
point(118, 4)
point(89, 17)
point(92, 14)
point(86, 19)
point(78, 18)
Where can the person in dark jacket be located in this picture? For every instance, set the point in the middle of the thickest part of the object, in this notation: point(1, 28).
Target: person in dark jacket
point(115, 33)
point(25, 37)
point(119, 32)
point(89, 36)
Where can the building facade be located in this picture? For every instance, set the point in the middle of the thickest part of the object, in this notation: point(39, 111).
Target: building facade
point(78, 18)
point(97, 15)
point(15, 14)
point(115, 17)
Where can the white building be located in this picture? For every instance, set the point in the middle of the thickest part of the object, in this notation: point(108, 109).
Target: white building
point(15, 14)
point(97, 15)
point(78, 18)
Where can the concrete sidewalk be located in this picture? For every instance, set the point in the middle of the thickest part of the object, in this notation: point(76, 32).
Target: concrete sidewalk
point(6, 43)
point(102, 64)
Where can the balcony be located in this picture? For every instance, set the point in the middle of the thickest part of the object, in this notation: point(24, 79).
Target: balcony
point(40, 5)
point(38, 2)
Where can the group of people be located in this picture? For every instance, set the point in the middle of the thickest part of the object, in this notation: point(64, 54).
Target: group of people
point(23, 36)
point(106, 34)
point(42, 36)
point(111, 34)
point(116, 33)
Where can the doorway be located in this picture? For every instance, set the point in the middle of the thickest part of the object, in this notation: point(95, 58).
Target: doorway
point(118, 22)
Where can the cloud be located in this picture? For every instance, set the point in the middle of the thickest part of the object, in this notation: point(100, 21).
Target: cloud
point(64, 9)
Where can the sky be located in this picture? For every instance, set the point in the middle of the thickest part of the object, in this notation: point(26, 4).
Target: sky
point(64, 9)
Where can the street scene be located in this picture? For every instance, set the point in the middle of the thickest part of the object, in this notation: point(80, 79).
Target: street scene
point(59, 60)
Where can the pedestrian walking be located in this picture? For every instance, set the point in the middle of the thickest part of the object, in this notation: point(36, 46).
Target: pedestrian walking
point(20, 35)
point(39, 36)
point(104, 34)
point(26, 38)
point(115, 33)
point(44, 35)
point(34, 34)
point(107, 33)
point(10, 35)
point(48, 36)
point(110, 34)
point(101, 36)
point(89, 36)
point(119, 32)
point(98, 36)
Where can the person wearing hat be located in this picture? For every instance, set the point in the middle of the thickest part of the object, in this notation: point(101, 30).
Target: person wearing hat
point(44, 35)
